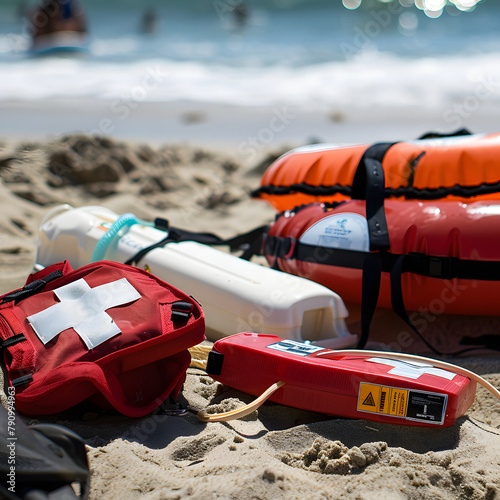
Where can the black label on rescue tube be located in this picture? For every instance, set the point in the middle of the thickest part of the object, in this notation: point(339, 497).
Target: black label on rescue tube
point(426, 407)
point(294, 347)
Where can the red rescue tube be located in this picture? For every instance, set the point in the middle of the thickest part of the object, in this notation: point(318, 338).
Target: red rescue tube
point(451, 252)
point(344, 385)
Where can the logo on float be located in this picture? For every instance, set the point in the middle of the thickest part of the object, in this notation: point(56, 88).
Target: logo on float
point(345, 230)
point(340, 229)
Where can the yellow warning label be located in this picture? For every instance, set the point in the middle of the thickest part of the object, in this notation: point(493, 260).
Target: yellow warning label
point(398, 401)
point(369, 401)
point(369, 397)
point(379, 399)
point(385, 393)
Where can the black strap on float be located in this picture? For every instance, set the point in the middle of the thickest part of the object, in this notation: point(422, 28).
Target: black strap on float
point(408, 192)
point(443, 268)
point(446, 268)
point(398, 303)
point(442, 135)
point(373, 264)
point(288, 248)
point(369, 185)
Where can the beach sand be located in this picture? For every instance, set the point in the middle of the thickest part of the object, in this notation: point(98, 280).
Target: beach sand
point(277, 452)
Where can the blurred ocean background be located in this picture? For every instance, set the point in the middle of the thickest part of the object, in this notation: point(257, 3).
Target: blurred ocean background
point(346, 59)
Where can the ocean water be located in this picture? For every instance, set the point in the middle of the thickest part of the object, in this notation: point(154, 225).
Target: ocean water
point(313, 54)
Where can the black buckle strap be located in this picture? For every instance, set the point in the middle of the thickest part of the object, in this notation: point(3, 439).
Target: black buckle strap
point(250, 243)
point(370, 289)
point(279, 247)
point(12, 341)
point(25, 379)
point(448, 268)
point(369, 184)
point(134, 260)
point(445, 268)
point(181, 310)
point(31, 288)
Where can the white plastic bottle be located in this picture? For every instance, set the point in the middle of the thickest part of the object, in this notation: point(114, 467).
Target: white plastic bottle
point(236, 295)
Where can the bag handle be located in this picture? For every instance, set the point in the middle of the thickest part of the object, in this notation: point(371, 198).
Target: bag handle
point(36, 282)
point(64, 267)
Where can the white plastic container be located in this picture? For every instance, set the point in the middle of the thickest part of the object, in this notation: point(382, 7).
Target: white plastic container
point(236, 295)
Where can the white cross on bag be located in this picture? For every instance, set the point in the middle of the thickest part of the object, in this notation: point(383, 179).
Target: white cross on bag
point(84, 309)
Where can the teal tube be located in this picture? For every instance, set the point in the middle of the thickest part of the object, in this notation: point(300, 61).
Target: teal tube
point(125, 220)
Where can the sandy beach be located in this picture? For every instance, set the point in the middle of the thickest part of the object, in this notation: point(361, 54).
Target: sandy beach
point(277, 452)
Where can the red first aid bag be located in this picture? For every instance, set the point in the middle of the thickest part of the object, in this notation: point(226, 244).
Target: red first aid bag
point(107, 332)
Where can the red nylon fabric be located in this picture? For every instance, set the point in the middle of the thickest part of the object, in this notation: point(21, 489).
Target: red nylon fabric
point(132, 372)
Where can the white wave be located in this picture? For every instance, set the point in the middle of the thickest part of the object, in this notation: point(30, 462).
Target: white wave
point(373, 79)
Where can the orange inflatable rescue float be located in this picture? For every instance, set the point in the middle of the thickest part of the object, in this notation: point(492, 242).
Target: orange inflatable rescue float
point(383, 248)
point(457, 167)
